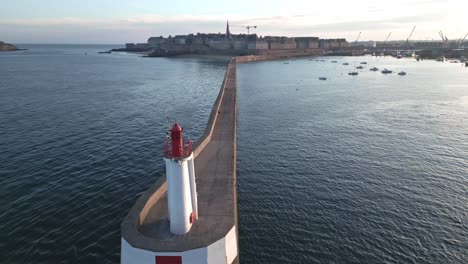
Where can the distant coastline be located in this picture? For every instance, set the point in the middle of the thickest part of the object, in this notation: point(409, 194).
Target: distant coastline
point(7, 47)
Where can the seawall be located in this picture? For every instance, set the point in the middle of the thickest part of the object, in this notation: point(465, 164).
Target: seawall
point(145, 229)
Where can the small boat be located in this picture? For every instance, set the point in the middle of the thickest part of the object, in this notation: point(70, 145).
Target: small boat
point(374, 69)
point(402, 73)
point(441, 59)
point(333, 61)
point(105, 52)
point(454, 61)
point(317, 60)
point(385, 71)
point(466, 64)
point(323, 78)
point(359, 67)
point(345, 63)
point(353, 73)
point(399, 56)
point(285, 62)
point(364, 62)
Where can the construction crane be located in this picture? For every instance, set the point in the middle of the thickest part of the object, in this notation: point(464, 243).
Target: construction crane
point(410, 35)
point(444, 38)
point(462, 40)
point(357, 39)
point(388, 36)
point(247, 27)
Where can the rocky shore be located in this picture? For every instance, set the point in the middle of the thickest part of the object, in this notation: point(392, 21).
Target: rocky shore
point(7, 47)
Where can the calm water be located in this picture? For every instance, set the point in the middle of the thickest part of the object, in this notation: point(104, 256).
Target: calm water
point(367, 169)
point(81, 138)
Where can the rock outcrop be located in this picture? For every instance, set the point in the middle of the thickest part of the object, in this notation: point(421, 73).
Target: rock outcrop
point(7, 47)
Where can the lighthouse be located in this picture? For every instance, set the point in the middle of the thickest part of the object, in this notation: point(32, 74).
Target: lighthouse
point(181, 186)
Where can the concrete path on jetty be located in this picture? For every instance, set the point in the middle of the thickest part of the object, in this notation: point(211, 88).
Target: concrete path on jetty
point(146, 226)
point(215, 167)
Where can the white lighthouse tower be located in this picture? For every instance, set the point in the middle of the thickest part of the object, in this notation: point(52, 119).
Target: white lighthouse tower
point(181, 188)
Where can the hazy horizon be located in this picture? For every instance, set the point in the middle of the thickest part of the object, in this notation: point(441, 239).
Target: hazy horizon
point(103, 22)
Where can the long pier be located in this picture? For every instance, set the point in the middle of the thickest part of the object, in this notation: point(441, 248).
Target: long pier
point(213, 238)
point(145, 230)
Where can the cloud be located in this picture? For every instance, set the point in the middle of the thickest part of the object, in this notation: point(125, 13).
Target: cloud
point(139, 28)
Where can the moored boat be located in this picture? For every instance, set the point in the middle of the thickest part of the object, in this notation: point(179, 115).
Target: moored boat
point(402, 73)
point(352, 73)
point(386, 71)
point(345, 63)
point(359, 67)
point(374, 69)
point(323, 78)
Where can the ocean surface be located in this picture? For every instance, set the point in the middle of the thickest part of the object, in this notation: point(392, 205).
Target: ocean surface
point(356, 169)
point(81, 137)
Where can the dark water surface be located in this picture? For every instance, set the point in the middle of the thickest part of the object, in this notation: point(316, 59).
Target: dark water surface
point(81, 137)
point(365, 169)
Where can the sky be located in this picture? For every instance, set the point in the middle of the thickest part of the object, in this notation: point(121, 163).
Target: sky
point(122, 21)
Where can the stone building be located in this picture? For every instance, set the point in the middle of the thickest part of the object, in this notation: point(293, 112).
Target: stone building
point(307, 42)
point(281, 42)
point(237, 43)
point(156, 42)
point(332, 43)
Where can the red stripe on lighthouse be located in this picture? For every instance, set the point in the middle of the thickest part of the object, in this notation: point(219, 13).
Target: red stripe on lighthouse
point(168, 260)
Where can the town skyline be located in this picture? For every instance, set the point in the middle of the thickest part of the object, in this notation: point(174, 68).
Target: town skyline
point(108, 22)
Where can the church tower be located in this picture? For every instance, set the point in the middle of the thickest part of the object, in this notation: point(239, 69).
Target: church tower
point(228, 33)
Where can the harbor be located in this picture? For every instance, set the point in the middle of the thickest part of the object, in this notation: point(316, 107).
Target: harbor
point(236, 132)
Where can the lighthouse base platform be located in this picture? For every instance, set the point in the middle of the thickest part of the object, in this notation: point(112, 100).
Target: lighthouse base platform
point(221, 251)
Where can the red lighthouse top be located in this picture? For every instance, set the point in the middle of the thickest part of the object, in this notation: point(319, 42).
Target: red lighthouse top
point(178, 148)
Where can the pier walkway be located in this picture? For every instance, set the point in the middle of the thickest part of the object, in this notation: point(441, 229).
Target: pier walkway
point(147, 225)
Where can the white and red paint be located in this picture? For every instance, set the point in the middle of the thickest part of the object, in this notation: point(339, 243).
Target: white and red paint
point(221, 251)
point(181, 186)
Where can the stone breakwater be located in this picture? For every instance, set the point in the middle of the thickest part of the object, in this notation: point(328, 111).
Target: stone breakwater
point(145, 229)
